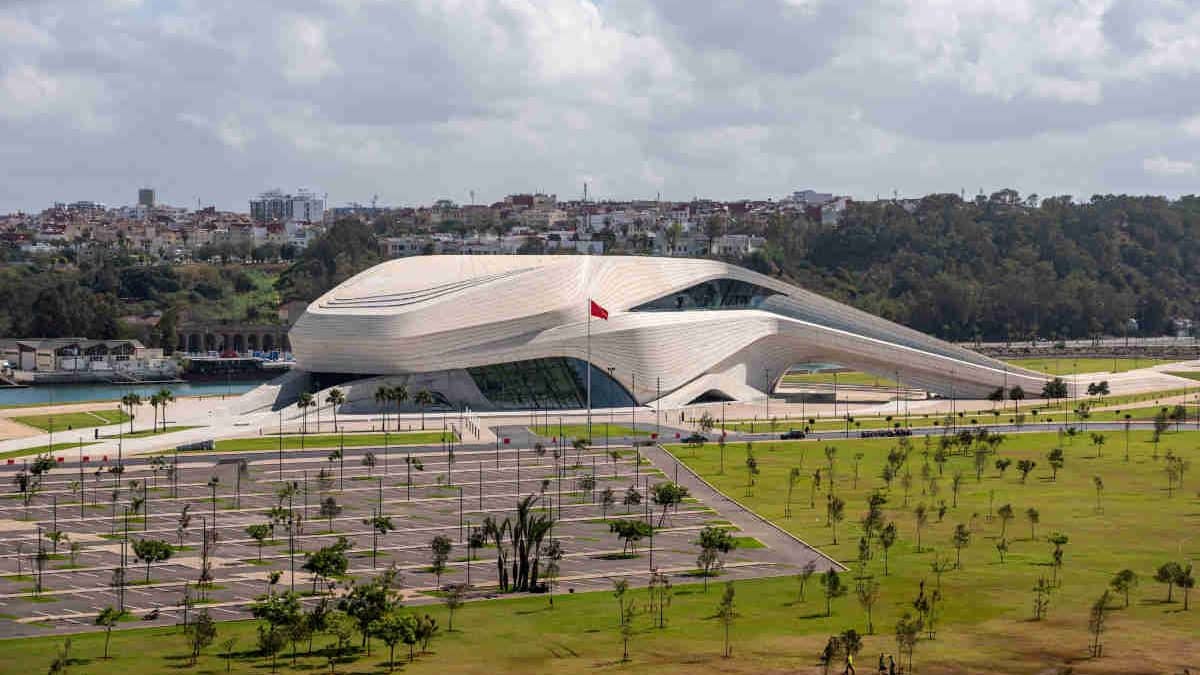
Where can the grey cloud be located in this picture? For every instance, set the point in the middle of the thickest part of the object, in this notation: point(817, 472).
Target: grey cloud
point(418, 100)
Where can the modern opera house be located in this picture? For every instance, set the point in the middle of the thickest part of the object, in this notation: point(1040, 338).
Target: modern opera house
point(515, 332)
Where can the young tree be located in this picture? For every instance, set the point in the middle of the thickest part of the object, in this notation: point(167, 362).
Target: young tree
point(835, 512)
point(714, 542)
point(227, 646)
point(1186, 581)
point(921, 516)
point(1002, 465)
point(1096, 624)
point(887, 538)
point(183, 523)
point(1006, 514)
point(751, 470)
point(380, 526)
point(607, 499)
point(259, 533)
point(1002, 549)
point(1034, 517)
point(1059, 540)
point(327, 562)
point(151, 551)
point(630, 532)
point(554, 555)
point(632, 498)
point(868, 595)
point(365, 603)
point(1056, 459)
point(440, 547)
point(200, 633)
point(667, 495)
point(726, 615)
point(831, 653)
point(108, 617)
point(1123, 582)
point(1168, 573)
point(956, 485)
point(625, 614)
point(981, 460)
point(962, 537)
point(793, 479)
point(369, 460)
point(660, 596)
point(393, 628)
point(453, 600)
point(1025, 466)
point(908, 631)
point(1041, 598)
point(833, 587)
point(805, 574)
point(329, 510)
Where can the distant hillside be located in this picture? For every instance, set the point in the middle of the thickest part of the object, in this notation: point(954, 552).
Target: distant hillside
point(1002, 267)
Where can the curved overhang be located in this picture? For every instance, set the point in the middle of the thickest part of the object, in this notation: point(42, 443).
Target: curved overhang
point(442, 313)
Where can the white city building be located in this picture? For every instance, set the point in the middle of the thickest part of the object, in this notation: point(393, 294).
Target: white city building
point(515, 332)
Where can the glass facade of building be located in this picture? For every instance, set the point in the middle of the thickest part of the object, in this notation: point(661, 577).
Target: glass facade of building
point(550, 383)
point(714, 294)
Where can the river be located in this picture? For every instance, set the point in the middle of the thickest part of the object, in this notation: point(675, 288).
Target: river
point(77, 393)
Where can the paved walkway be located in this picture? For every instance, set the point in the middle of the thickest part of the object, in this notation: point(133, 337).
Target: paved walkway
point(792, 549)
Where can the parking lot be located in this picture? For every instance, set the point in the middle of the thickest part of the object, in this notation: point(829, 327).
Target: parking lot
point(426, 492)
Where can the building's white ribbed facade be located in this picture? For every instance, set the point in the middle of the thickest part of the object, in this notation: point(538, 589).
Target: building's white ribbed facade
point(426, 320)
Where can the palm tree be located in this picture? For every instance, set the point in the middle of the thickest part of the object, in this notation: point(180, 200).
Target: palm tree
point(383, 396)
point(335, 398)
point(399, 396)
point(154, 401)
point(108, 618)
point(131, 401)
point(165, 396)
point(422, 399)
point(304, 403)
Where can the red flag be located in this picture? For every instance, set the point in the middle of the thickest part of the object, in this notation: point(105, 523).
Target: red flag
point(598, 311)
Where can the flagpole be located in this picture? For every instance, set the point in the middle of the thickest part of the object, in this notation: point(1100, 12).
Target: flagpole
point(589, 370)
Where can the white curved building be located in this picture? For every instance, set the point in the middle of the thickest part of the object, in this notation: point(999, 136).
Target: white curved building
point(511, 332)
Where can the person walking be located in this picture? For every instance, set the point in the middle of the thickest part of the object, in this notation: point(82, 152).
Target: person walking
point(882, 665)
point(891, 665)
point(849, 665)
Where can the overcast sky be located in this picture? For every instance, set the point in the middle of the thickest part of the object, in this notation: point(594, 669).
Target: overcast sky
point(424, 99)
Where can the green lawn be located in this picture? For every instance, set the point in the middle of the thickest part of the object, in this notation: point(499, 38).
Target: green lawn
point(772, 633)
point(74, 420)
point(1140, 528)
point(1189, 374)
point(142, 433)
point(39, 449)
point(982, 621)
point(1068, 366)
point(295, 442)
point(598, 430)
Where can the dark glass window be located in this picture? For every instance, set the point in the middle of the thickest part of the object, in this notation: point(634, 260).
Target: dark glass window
point(714, 294)
point(551, 383)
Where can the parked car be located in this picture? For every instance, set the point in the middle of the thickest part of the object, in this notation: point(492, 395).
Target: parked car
point(791, 435)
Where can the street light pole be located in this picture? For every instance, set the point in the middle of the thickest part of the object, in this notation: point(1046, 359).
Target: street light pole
point(767, 374)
